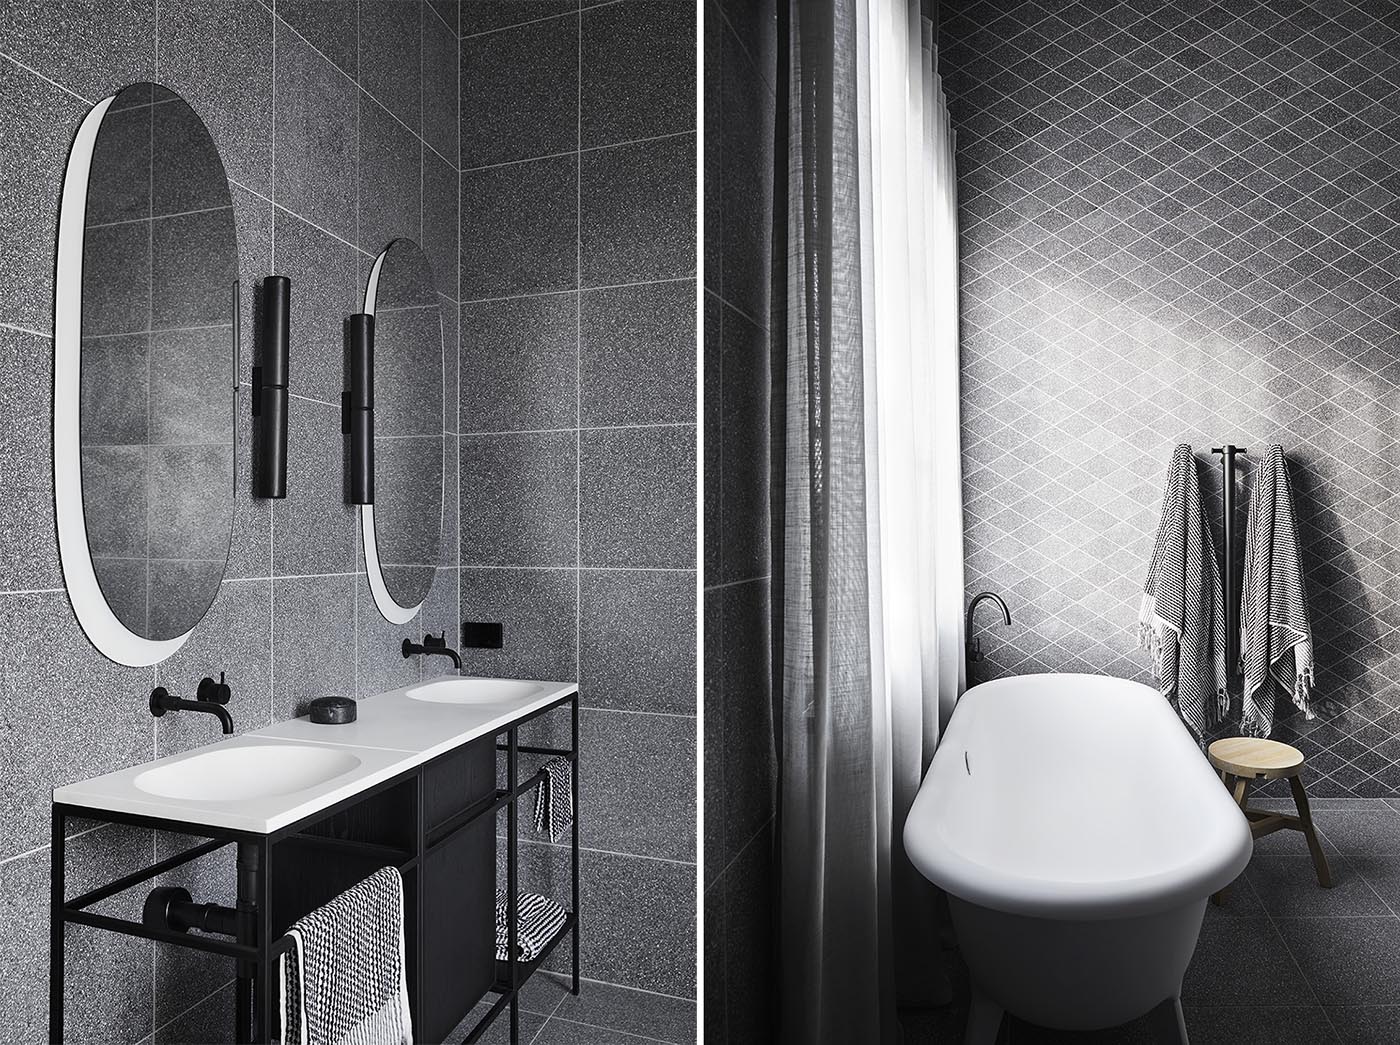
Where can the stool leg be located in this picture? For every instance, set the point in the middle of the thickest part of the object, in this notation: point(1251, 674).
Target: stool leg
point(1300, 799)
point(1241, 792)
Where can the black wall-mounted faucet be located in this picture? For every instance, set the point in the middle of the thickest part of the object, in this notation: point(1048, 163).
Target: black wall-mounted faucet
point(210, 698)
point(432, 646)
point(974, 646)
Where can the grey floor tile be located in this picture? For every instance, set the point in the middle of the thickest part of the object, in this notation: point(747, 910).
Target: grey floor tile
point(1347, 961)
point(1368, 830)
point(1281, 1025)
point(499, 1034)
point(209, 1021)
point(1366, 1024)
point(653, 1016)
point(1218, 976)
point(1287, 887)
point(565, 1032)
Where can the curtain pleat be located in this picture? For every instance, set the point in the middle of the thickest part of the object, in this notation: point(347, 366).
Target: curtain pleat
point(871, 494)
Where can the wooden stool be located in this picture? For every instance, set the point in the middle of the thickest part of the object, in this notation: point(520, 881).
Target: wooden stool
point(1246, 759)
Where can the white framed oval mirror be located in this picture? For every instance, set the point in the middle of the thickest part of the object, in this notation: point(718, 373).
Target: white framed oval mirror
point(145, 374)
point(402, 529)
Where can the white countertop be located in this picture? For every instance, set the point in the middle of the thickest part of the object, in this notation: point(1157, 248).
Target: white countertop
point(393, 733)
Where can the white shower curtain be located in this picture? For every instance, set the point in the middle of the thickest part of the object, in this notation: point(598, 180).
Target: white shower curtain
point(871, 543)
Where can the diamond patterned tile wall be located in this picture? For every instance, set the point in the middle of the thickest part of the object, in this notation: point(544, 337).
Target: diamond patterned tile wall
point(1180, 224)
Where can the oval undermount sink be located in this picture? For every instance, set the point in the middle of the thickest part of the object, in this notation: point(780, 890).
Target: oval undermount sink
point(253, 771)
point(473, 691)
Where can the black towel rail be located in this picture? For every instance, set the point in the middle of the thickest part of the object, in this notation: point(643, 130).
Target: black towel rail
point(1228, 453)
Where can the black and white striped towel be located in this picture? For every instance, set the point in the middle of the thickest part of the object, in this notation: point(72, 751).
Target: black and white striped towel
point(538, 918)
point(343, 981)
point(1275, 633)
point(1182, 621)
point(554, 799)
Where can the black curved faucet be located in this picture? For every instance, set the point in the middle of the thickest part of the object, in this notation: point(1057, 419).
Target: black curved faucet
point(210, 698)
point(974, 646)
point(433, 646)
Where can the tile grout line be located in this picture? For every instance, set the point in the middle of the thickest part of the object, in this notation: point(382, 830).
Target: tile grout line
point(580, 150)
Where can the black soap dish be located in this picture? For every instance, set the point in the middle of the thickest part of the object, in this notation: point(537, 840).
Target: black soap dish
point(333, 711)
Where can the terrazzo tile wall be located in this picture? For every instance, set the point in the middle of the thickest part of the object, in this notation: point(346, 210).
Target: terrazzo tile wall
point(740, 98)
point(577, 431)
point(337, 123)
point(1180, 223)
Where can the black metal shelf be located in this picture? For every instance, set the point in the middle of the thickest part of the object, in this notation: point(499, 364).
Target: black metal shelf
point(530, 967)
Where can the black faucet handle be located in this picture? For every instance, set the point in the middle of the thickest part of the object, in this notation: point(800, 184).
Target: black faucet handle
point(214, 692)
point(435, 641)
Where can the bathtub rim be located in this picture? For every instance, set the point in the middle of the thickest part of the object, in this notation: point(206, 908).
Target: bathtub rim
point(1003, 890)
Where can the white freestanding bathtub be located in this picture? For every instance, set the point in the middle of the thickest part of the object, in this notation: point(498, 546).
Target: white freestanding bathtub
point(1078, 831)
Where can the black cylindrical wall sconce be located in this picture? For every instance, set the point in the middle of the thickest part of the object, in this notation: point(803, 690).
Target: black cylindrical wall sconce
point(270, 389)
point(357, 408)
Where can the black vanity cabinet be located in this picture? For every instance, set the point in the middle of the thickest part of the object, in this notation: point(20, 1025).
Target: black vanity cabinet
point(449, 890)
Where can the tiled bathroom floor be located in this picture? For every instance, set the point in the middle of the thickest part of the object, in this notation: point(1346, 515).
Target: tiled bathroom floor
point(1282, 962)
point(602, 1014)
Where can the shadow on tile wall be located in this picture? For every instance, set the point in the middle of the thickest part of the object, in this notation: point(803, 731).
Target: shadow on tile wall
point(1181, 226)
point(740, 79)
point(578, 435)
point(337, 124)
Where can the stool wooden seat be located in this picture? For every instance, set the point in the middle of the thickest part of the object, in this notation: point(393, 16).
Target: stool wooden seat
point(1243, 760)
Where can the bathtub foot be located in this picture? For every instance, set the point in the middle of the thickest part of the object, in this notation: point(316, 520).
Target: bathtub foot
point(983, 1020)
point(1169, 1023)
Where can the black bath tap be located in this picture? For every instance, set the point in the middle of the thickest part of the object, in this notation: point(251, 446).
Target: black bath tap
point(433, 646)
point(210, 698)
point(974, 646)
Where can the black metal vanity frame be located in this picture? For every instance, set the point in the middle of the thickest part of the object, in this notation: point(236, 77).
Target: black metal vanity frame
point(254, 948)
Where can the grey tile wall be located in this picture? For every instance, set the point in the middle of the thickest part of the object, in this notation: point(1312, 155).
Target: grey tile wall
point(578, 432)
point(740, 102)
point(1179, 224)
point(310, 145)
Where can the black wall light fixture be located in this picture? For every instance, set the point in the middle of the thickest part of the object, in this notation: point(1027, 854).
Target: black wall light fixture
point(270, 389)
point(357, 407)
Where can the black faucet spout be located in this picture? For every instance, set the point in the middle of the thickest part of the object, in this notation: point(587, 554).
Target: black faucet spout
point(162, 701)
point(432, 646)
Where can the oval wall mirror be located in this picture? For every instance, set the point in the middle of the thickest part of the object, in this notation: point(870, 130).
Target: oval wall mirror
point(145, 373)
point(403, 527)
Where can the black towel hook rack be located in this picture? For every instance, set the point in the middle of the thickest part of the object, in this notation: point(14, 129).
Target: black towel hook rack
point(1228, 453)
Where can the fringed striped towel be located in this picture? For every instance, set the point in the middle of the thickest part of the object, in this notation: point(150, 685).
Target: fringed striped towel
point(537, 919)
point(1182, 621)
point(343, 981)
point(554, 799)
point(1275, 633)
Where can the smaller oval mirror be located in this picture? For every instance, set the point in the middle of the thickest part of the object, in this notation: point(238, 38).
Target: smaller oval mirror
point(145, 327)
point(403, 527)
